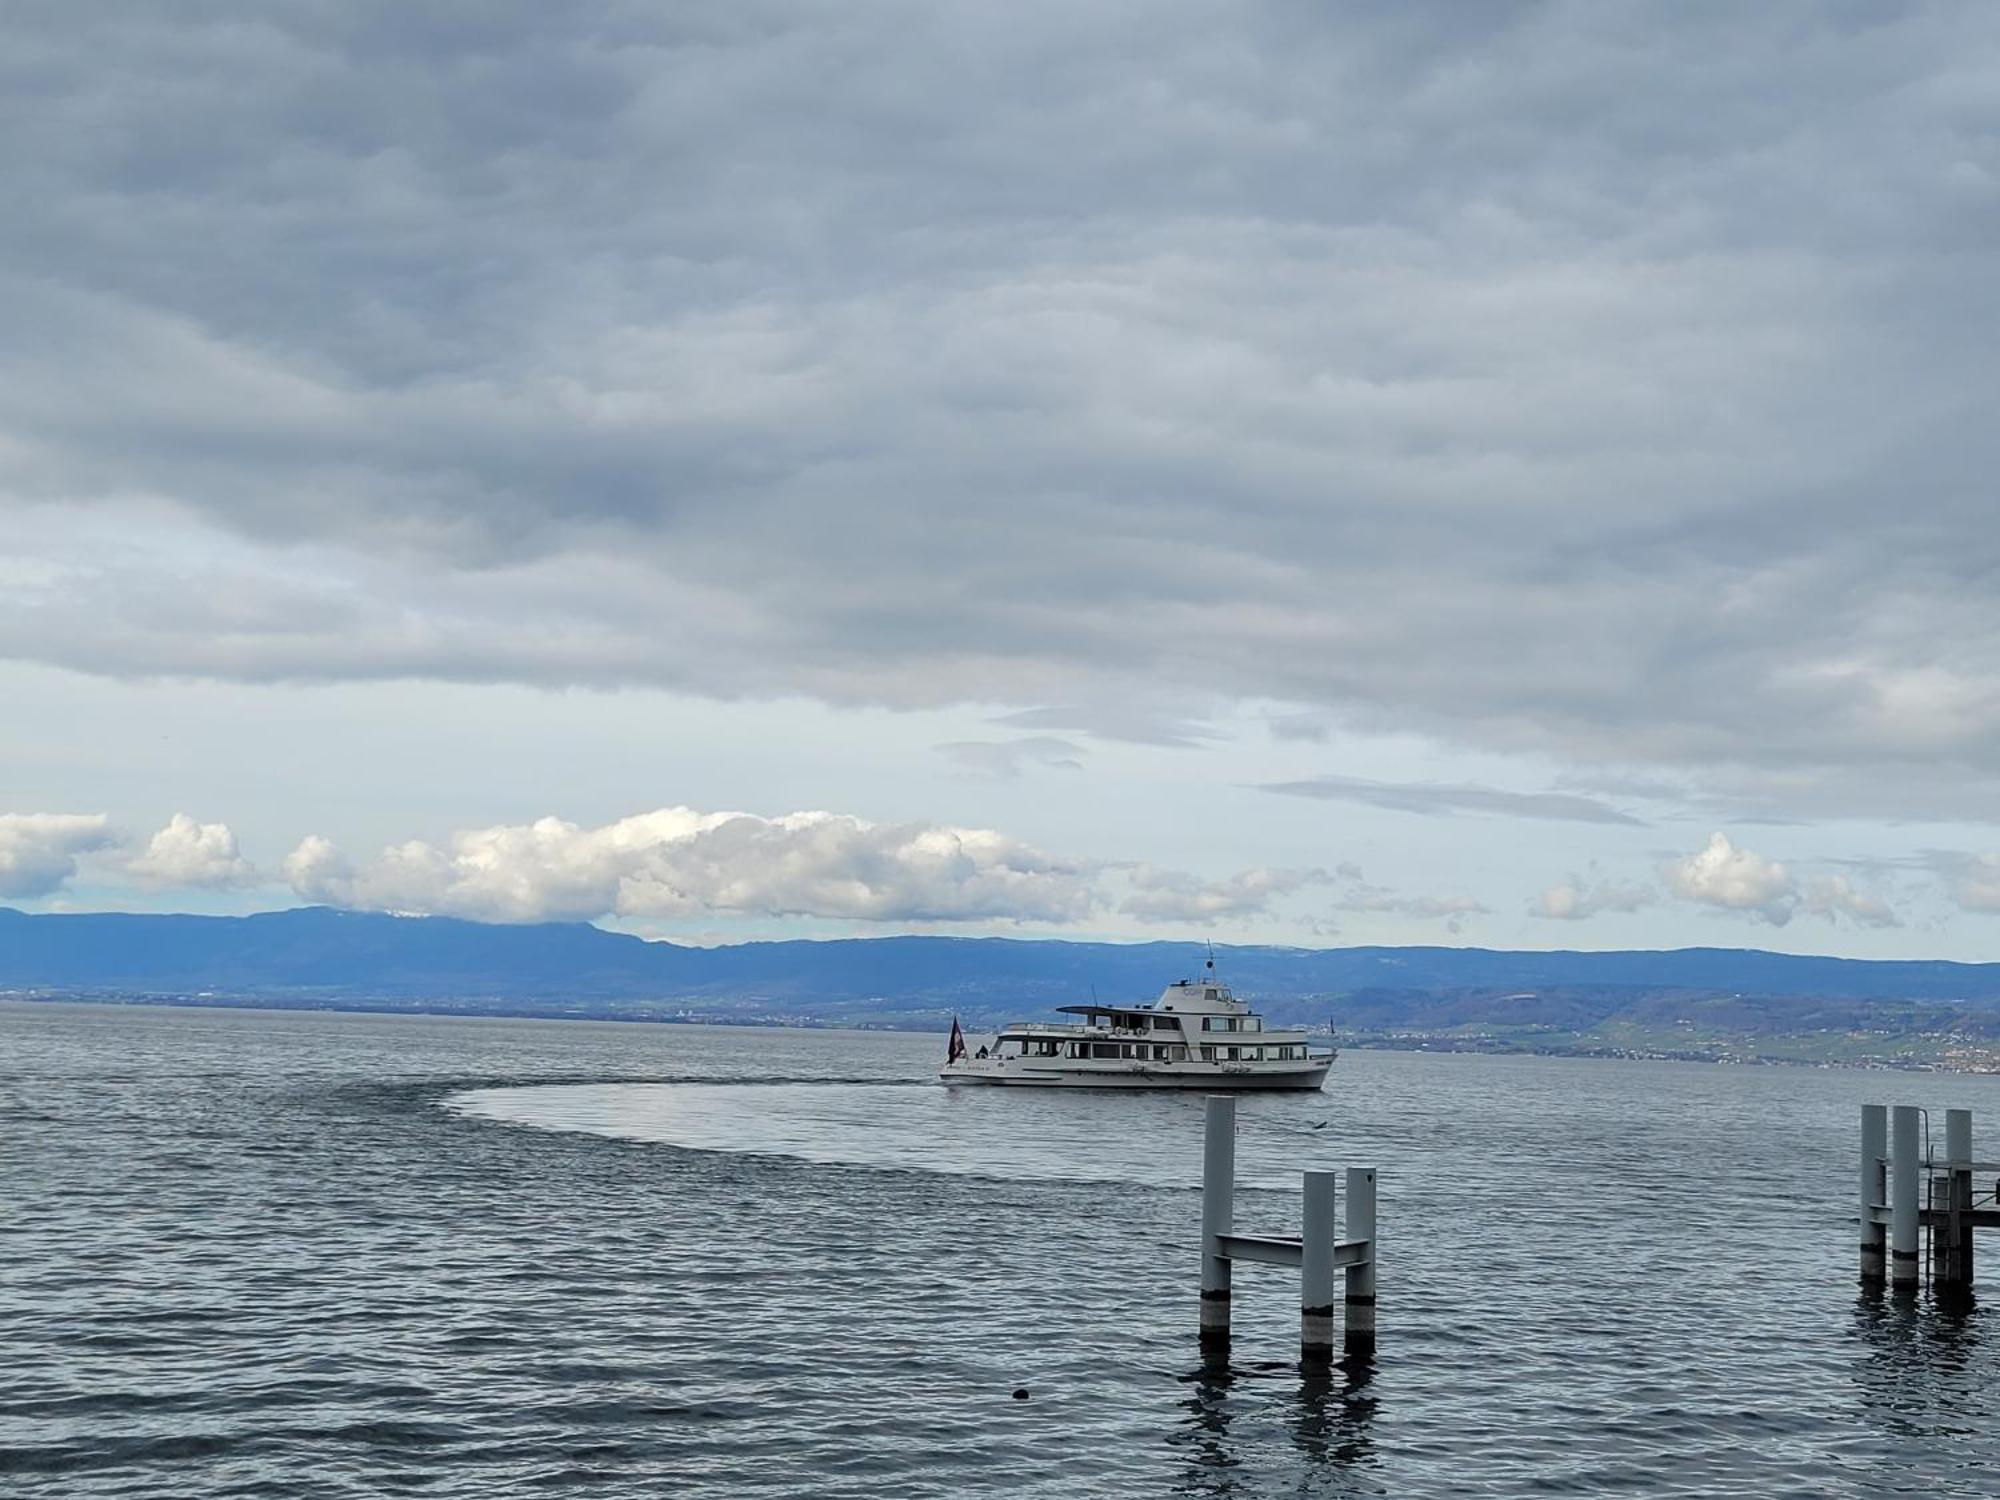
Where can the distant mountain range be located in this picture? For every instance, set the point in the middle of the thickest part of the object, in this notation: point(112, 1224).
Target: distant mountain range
point(1646, 1001)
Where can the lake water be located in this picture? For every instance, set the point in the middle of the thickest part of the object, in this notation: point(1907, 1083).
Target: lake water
point(288, 1254)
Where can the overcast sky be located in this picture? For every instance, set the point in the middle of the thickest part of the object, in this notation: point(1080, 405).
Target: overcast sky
point(1506, 474)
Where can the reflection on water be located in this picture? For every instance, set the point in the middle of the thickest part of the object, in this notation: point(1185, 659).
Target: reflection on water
point(1921, 1374)
point(1327, 1415)
point(1335, 1411)
point(1205, 1434)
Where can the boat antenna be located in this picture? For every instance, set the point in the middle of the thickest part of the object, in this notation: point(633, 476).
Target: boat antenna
point(1211, 955)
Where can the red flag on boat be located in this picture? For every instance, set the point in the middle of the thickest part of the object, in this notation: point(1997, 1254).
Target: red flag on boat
point(957, 1049)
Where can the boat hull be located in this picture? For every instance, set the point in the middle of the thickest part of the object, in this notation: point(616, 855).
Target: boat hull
point(1183, 1076)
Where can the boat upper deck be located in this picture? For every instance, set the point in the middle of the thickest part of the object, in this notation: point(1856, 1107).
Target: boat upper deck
point(1187, 1006)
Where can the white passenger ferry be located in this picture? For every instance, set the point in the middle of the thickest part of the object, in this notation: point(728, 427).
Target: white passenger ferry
point(1197, 1035)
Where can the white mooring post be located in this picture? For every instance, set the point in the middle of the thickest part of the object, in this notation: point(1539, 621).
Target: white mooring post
point(1360, 1310)
point(1319, 1236)
point(1903, 1268)
point(1218, 1213)
point(1951, 1239)
point(1874, 1191)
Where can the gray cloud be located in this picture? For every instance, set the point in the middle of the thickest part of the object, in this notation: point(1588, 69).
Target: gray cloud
point(1437, 799)
point(1973, 880)
point(1113, 719)
point(1508, 377)
point(39, 851)
point(1578, 899)
point(1175, 896)
point(1006, 758)
point(1452, 911)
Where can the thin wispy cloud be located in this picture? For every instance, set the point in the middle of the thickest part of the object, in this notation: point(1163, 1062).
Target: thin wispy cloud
point(1438, 799)
point(1008, 758)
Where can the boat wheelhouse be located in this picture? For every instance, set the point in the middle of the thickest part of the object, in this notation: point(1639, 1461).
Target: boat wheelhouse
point(1197, 1034)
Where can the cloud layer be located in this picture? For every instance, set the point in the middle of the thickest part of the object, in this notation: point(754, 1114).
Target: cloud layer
point(1512, 378)
point(678, 863)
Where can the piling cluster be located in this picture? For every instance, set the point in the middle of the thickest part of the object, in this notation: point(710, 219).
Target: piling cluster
point(1906, 1191)
point(1317, 1251)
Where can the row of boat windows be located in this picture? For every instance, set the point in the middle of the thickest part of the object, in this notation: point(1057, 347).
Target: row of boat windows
point(1146, 1051)
point(1172, 1023)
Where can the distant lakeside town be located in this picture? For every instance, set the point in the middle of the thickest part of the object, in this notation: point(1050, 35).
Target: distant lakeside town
point(1882, 1046)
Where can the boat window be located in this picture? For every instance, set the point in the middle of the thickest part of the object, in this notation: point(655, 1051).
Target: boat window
point(1229, 1053)
point(1252, 1023)
point(1165, 1023)
point(1104, 1049)
point(1208, 1054)
point(1204, 1022)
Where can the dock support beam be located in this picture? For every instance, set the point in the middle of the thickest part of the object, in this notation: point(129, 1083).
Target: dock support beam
point(1360, 1310)
point(1903, 1130)
point(1874, 1192)
point(1317, 1240)
point(1951, 1236)
point(1218, 1217)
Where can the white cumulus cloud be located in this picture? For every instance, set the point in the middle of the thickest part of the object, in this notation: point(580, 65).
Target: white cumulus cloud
point(677, 862)
point(38, 851)
point(190, 853)
point(1732, 879)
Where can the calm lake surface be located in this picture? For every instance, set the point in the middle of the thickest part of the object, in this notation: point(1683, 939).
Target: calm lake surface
point(286, 1254)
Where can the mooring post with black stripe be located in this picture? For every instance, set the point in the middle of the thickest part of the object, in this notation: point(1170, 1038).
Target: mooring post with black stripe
point(1903, 1185)
point(1218, 1217)
point(1319, 1239)
point(1874, 1192)
point(1360, 1310)
point(1951, 1227)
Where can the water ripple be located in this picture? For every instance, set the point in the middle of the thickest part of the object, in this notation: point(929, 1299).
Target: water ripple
point(253, 1255)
